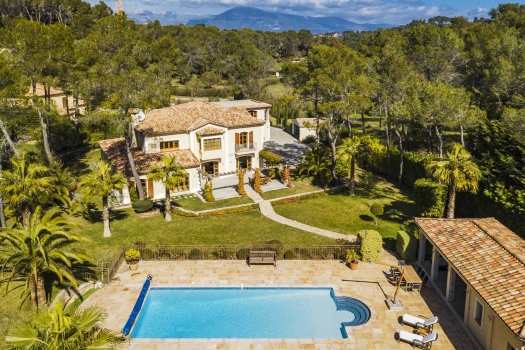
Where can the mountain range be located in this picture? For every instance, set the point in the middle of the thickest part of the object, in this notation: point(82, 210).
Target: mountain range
point(256, 19)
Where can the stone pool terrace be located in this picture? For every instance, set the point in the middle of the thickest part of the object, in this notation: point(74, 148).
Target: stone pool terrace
point(367, 284)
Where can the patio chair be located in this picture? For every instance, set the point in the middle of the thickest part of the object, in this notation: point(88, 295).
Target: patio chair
point(420, 323)
point(425, 281)
point(419, 341)
point(416, 287)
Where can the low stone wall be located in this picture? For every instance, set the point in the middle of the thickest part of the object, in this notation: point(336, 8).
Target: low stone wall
point(69, 295)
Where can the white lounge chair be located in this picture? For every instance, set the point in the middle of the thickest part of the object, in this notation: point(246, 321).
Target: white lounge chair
point(424, 323)
point(416, 340)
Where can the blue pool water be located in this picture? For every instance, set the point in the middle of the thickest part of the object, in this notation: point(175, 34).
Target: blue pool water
point(247, 313)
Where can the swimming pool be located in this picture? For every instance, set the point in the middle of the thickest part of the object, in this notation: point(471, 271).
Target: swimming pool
point(247, 313)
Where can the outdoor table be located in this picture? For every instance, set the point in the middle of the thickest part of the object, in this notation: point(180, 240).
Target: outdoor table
point(410, 276)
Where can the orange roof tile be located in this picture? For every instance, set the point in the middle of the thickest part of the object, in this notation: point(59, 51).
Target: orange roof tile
point(193, 115)
point(307, 122)
point(210, 130)
point(490, 257)
point(115, 151)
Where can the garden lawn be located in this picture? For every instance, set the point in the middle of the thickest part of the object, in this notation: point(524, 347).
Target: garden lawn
point(300, 185)
point(10, 314)
point(128, 228)
point(192, 202)
point(344, 214)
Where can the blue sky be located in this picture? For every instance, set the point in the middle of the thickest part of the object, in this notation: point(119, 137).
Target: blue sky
point(361, 11)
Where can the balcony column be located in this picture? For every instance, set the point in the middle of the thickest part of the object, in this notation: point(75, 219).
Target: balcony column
point(422, 246)
point(451, 283)
point(435, 264)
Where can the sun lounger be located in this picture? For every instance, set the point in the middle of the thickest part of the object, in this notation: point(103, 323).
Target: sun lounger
point(416, 340)
point(424, 323)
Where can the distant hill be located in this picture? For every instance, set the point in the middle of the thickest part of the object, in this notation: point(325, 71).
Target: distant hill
point(250, 17)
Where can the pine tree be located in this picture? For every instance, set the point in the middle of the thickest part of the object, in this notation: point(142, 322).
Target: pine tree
point(208, 192)
point(240, 185)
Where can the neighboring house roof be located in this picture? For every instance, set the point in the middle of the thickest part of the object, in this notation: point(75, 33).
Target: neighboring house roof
point(490, 257)
point(210, 130)
point(194, 115)
point(306, 122)
point(248, 104)
point(40, 91)
point(115, 151)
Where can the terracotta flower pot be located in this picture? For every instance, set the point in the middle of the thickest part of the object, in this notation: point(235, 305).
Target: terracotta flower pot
point(133, 265)
point(354, 264)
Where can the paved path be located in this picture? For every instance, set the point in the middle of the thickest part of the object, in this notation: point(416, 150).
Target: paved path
point(285, 145)
point(267, 210)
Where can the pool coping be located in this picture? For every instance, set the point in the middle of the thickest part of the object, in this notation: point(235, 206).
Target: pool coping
point(349, 329)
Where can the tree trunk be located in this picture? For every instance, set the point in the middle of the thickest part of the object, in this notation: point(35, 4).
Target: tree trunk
point(363, 123)
point(2, 214)
point(405, 133)
point(167, 205)
point(8, 138)
point(76, 107)
point(41, 291)
point(45, 136)
point(332, 141)
point(26, 213)
point(429, 139)
point(140, 190)
point(34, 292)
point(349, 126)
point(67, 105)
point(440, 141)
point(105, 215)
point(451, 201)
point(401, 158)
point(461, 132)
point(388, 150)
point(352, 176)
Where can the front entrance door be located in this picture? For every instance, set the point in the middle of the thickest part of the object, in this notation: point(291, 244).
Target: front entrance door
point(211, 168)
point(244, 163)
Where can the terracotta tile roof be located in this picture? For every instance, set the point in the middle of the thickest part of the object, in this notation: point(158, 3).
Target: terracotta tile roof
point(302, 122)
point(210, 130)
point(248, 104)
point(115, 151)
point(193, 115)
point(490, 257)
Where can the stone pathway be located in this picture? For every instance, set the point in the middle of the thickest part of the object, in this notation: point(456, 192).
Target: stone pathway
point(267, 210)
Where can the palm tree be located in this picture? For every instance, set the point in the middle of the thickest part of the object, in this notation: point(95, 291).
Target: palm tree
point(172, 175)
point(26, 185)
point(101, 182)
point(349, 151)
point(315, 162)
point(458, 172)
point(56, 331)
point(38, 249)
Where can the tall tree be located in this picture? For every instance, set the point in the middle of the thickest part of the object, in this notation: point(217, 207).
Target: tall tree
point(103, 183)
point(43, 247)
point(349, 151)
point(458, 171)
point(172, 175)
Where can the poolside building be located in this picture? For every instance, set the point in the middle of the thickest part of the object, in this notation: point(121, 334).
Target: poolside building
point(478, 267)
point(215, 139)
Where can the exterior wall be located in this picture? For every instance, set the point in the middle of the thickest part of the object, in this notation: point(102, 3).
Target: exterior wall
point(305, 132)
point(493, 333)
point(231, 160)
point(152, 144)
point(58, 100)
point(264, 114)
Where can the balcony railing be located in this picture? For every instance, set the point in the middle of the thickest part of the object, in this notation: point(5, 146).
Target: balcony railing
point(245, 147)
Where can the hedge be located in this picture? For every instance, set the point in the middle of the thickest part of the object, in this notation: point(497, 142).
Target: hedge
point(406, 246)
point(192, 214)
point(142, 206)
point(371, 244)
point(299, 197)
point(270, 158)
point(431, 198)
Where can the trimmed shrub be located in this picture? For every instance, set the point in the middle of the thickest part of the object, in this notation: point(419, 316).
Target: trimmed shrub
point(289, 255)
point(147, 254)
point(142, 206)
point(377, 210)
point(242, 254)
point(195, 254)
point(406, 246)
point(191, 214)
point(431, 198)
point(208, 192)
point(240, 183)
point(257, 181)
point(270, 158)
point(371, 244)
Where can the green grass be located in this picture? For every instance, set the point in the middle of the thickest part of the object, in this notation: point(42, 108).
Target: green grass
point(300, 185)
point(192, 202)
point(70, 310)
point(344, 214)
point(10, 314)
point(249, 227)
point(278, 90)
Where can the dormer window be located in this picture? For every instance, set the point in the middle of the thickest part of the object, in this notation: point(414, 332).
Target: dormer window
point(253, 113)
point(212, 144)
point(169, 145)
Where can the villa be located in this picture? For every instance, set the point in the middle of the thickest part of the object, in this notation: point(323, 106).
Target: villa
point(214, 139)
point(65, 103)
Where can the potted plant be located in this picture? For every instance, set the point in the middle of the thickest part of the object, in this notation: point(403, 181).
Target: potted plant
point(132, 258)
point(353, 259)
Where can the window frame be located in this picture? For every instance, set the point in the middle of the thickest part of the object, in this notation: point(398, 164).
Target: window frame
point(479, 306)
point(253, 113)
point(215, 139)
point(184, 187)
point(176, 145)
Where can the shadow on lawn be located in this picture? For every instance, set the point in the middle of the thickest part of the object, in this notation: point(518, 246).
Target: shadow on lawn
point(365, 217)
point(96, 216)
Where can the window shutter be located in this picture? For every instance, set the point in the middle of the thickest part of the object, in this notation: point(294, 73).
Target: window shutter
point(131, 184)
point(150, 189)
point(237, 138)
point(250, 137)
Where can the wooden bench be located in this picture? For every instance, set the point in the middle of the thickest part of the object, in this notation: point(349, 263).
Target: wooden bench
point(262, 257)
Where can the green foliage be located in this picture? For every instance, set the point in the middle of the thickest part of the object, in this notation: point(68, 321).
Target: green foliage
point(352, 255)
point(257, 181)
point(142, 206)
point(195, 254)
point(270, 158)
point(377, 210)
point(243, 253)
point(406, 246)
point(431, 198)
point(64, 135)
point(371, 244)
point(208, 192)
point(132, 255)
point(289, 255)
point(192, 214)
point(240, 183)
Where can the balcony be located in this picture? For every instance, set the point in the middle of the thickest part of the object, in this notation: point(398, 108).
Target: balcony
point(245, 147)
